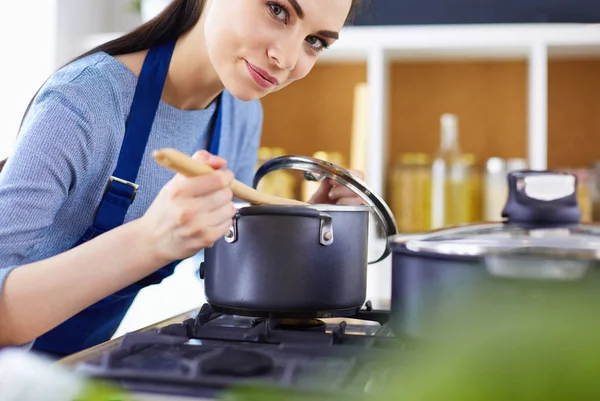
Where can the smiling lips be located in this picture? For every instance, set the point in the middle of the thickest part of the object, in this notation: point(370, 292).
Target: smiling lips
point(260, 76)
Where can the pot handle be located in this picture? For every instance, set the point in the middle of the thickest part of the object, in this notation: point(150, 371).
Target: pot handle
point(317, 169)
point(325, 226)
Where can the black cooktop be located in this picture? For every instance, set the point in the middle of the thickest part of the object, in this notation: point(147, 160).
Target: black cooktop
point(214, 351)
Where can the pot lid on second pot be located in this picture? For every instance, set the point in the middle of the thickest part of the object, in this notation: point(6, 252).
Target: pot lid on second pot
point(542, 219)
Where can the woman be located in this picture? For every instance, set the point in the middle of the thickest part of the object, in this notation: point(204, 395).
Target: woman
point(189, 79)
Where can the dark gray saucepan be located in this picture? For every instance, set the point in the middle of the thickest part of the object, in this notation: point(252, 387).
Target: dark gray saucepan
point(540, 249)
point(296, 261)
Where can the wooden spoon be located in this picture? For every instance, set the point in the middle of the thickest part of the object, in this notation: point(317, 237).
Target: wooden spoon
point(181, 163)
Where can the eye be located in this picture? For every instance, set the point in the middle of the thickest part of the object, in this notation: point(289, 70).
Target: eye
point(316, 43)
point(279, 11)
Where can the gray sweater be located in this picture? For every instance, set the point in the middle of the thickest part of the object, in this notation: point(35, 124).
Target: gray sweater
point(69, 145)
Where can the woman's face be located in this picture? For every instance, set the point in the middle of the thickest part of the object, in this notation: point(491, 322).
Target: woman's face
point(260, 46)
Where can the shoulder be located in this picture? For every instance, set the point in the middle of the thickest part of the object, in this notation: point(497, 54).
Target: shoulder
point(86, 84)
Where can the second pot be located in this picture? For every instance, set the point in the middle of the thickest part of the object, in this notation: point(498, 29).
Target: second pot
point(541, 251)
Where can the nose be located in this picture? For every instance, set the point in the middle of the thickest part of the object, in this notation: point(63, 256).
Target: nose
point(285, 52)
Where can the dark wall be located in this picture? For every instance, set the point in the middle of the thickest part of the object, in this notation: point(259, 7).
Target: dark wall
point(410, 12)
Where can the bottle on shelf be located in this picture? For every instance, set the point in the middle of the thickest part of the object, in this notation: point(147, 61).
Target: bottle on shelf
point(451, 195)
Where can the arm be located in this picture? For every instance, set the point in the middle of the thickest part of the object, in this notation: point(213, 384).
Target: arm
point(49, 160)
point(37, 297)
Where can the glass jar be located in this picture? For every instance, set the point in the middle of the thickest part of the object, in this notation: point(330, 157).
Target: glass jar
point(410, 192)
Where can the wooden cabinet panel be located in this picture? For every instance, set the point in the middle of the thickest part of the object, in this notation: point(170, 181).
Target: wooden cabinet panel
point(573, 113)
point(489, 98)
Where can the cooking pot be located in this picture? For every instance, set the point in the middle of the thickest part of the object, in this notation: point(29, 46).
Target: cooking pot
point(540, 248)
point(296, 261)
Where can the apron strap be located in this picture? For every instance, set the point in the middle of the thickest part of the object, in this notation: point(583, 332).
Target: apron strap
point(121, 188)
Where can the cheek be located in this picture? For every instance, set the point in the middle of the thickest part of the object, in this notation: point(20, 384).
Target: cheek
point(303, 68)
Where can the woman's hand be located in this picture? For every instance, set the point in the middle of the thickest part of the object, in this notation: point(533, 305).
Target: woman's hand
point(332, 192)
point(190, 213)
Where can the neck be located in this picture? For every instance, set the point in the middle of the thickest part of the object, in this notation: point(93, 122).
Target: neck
point(192, 82)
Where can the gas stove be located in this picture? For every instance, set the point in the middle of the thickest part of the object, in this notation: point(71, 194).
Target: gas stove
point(204, 355)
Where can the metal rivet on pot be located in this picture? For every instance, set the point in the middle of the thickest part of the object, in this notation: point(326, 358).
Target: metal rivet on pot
point(326, 229)
point(231, 234)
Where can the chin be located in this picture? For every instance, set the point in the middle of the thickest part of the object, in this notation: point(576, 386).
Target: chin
point(245, 92)
point(245, 95)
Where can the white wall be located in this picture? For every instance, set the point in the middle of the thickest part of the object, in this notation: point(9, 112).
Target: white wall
point(40, 35)
point(122, 19)
point(28, 57)
point(77, 19)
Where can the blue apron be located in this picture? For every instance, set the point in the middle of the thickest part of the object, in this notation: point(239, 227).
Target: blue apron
point(98, 323)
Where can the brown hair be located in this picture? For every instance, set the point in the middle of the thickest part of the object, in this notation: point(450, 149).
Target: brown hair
point(175, 20)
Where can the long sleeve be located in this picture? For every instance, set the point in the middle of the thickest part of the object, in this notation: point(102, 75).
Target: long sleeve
point(48, 161)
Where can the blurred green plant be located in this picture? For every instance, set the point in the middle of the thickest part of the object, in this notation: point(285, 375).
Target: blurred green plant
point(535, 347)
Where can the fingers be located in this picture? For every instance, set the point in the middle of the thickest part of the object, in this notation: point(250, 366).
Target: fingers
point(341, 195)
point(321, 195)
point(206, 228)
point(214, 161)
point(202, 185)
point(217, 217)
point(350, 201)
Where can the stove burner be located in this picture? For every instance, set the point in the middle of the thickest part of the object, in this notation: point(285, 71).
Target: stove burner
point(236, 362)
point(300, 325)
point(313, 325)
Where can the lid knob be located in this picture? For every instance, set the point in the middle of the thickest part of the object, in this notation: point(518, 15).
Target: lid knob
point(543, 198)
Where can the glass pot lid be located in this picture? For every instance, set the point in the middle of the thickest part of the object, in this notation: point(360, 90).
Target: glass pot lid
point(541, 219)
point(316, 169)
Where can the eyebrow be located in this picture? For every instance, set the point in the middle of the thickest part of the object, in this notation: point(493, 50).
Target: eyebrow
point(300, 12)
point(297, 8)
point(329, 34)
